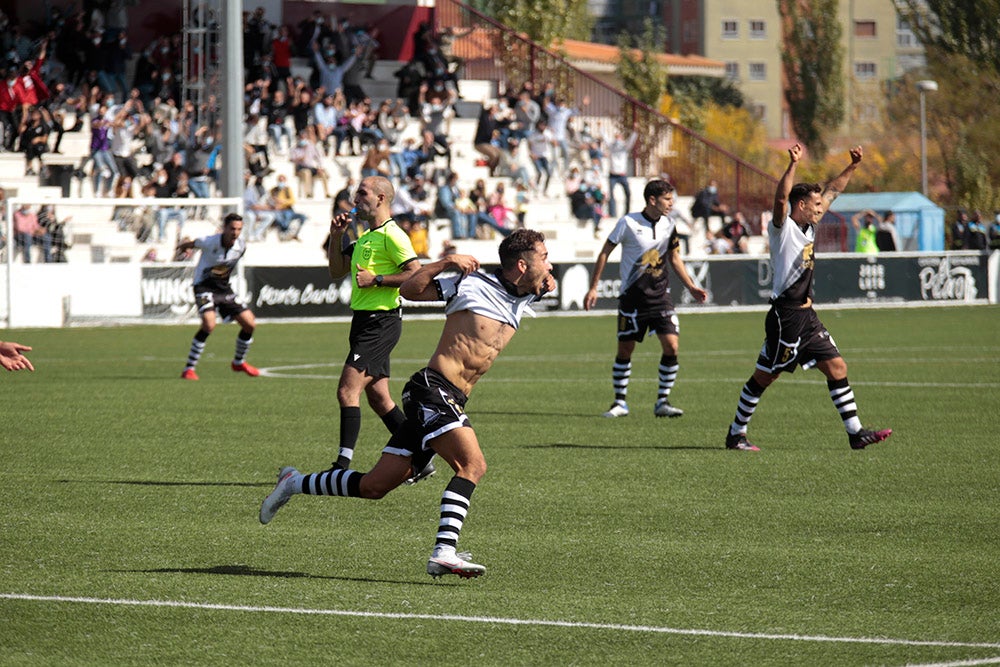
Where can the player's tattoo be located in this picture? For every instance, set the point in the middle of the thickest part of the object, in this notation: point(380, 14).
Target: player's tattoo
point(830, 194)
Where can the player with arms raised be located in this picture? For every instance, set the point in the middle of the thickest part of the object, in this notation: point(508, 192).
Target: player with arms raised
point(794, 336)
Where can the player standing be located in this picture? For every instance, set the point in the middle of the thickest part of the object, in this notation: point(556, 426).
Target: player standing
point(213, 293)
point(649, 242)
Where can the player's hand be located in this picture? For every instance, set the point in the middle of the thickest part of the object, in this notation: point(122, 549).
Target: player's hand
point(856, 154)
point(795, 153)
point(549, 284)
point(464, 263)
point(11, 357)
point(590, 300)
point(698, 293)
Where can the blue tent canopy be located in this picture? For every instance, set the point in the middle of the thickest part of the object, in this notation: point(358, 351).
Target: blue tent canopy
point(919, 221)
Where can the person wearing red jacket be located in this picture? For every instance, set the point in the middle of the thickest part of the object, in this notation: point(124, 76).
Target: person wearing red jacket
point(30, 84)
point(10, 102)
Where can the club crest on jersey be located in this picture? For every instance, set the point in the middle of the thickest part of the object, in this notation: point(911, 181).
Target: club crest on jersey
point(366, 252)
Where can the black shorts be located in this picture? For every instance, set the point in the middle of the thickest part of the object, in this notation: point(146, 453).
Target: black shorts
point(433, 406)
point(222, 301)
point(634, 321)
point(794, 337)
point(374, 333)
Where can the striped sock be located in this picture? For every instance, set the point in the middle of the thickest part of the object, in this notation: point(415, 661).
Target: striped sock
point(668, 375)
point(454, 507)
point(197, 347)
point(620, 374)
point(242, 346)
point(843, 399)
point(333, 483)
point(749, 398)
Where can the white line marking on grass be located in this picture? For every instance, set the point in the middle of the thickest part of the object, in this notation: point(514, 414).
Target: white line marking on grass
point(495, 621)
point(959, 663)
point(283, 372)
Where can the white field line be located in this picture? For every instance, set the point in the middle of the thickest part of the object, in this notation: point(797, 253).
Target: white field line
point(959, 663)
point(289, 372)
point(495, 621)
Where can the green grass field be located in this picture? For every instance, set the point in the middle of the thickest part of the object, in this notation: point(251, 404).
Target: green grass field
point(129, 532)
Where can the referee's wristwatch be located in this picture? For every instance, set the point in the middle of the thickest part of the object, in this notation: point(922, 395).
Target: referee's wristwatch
point(379, 279)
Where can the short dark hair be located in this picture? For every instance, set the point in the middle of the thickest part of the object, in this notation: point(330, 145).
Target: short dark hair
point(656, 188)
point(231, 217)
point(802, 190)
point(517, 245)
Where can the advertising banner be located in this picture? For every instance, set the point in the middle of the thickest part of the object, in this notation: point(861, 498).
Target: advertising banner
point(166, 292)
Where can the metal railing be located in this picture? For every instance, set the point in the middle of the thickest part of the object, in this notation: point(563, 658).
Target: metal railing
point(490, 51)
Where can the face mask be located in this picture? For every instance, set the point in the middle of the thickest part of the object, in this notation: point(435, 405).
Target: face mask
point(209, 141)
point(712, 189)
point(161, 180)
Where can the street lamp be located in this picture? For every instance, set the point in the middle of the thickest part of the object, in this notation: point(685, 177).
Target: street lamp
point(925, 86)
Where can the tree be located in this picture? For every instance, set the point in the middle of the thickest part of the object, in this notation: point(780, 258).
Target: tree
point(644, 79)
point(813, 60)
point(970, 28)
point(544, 21)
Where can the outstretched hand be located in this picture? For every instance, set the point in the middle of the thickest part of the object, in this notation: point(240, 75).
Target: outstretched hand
point(11, 357)
point(795, 153)
point(856, 154)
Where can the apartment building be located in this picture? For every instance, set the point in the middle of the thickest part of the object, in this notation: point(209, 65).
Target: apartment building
point(746, 35)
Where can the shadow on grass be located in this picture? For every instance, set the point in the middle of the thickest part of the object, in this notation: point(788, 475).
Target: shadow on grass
point(149, 482)
point(247, 571)
point(573, 445)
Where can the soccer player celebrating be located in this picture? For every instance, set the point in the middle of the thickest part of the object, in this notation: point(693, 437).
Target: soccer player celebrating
point(793, 333)
point(483, 311)
point(220, 253)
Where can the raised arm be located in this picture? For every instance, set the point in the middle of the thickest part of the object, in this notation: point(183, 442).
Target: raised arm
point(785, 186)
point(420, 286)
point(833, 189)
point(340, 263)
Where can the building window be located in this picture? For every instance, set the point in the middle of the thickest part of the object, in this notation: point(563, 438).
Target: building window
point(732, 70)
point(758, 71)
point(865, 70)
point(865, 29)
point(867, 113)
point(730, 29)
point(759, 111)
point(758, 29)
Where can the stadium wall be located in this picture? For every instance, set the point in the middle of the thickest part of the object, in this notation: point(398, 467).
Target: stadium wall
point(47, 295)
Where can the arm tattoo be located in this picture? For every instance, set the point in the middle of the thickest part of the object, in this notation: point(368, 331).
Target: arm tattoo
point(830, 194)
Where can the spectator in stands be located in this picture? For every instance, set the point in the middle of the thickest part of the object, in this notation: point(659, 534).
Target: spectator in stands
point(448, 195)
point(105, 170)
point(115, 54)
point(281, 56)
point(413, 201)
point(500, 209)
point(583, 203)
point(30, 86)
point(284, 203)
point(200, 152)
point(256, 36)
point(436, 111)
point(481, 217)
point(527, 113)
point(331, 72)
point(278, 107)
point(490, 121)
point(377, 161)
point(307, 160)
point(10, 105)
point(539, 144)
point(47, 222)
point(122, 133)
point(57, 235)
point(255, 146)
point(716, 243)
point(520, 160)
point(27, 231)
point(619, 154)
point(34, 139)
point(737, 232)
point(559, 115)
point(163, 188)
point(707, 204)
point(411, 76)
point(393, 119)
point(258, 209)
point(325, 116)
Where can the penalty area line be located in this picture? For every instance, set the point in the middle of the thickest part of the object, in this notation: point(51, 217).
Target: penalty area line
point(492, 621)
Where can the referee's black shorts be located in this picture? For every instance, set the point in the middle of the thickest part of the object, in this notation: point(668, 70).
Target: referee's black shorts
point(374, 334)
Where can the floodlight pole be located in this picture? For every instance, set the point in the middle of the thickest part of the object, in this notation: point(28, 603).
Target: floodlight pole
point(924, 87)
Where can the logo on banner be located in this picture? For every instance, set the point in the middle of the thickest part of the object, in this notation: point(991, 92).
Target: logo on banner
point(940, 280)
